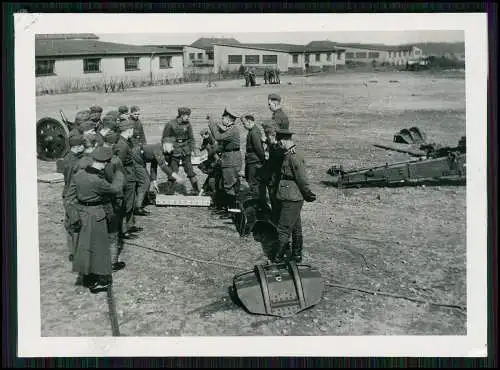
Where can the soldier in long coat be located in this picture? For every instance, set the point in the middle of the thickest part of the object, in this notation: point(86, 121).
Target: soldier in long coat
point(293, 189)
point(227, 135)
point(179, 132)
point(89, 192)
point(279, 116)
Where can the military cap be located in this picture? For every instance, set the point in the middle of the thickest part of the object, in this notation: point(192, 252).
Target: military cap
point(102, 154)
point(125, 124)
point(283, 132)
point(95, 109)
point(249, 117)
point(75, 140)
point(230, 114)
point(111, 137)
point(184, 110)
point(123, 109)
point(274, 96)
point(82, 116)
point(134, 108)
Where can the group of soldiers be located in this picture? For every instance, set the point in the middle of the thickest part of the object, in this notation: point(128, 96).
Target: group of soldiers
point(106, 179)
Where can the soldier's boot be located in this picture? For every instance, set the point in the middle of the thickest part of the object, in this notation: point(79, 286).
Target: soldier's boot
point(195, 187)
point(297, 247)
point(115, 252)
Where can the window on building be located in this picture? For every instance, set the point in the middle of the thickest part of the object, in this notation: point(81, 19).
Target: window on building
point(318, 57)
point(44, 67)
point(234, 59)
point(92, 65)
point(200, 55)
point(270, 59)
point(329, 56)
point(295, 59)
point(361, 55)
point(373, 54)
point(252, 59)
point(131, 63)
point(349, 55)
point(165, 61)
point(307, 58)
point(191, 56)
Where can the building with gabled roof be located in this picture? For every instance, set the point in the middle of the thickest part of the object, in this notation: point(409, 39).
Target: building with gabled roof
point(64, 60)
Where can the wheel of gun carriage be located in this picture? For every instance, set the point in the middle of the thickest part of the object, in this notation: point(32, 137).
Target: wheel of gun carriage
point(51, 139)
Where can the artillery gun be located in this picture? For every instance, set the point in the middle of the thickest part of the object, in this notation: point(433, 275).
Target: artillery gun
point(435, 164)
point(52, 137)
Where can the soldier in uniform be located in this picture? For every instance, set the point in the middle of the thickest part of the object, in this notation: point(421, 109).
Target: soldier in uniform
point(109, 123)
point(274, 103)
point(80, 118)
point(89, 191)
point(211, 166)
point(227, 135)
point(139, 138)
point(95, 116)
point(70, 161)
point(156, 155)
point(114, 208)
point(123, 149)
point(179, 132)
point(293, 189)
point(255, 158)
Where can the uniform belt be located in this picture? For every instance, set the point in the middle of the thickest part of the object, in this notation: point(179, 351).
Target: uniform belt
point(232, 150)
point(91, 204)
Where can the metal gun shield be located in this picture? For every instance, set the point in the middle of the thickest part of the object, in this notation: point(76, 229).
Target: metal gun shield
point(279, 290)
point(52, 138)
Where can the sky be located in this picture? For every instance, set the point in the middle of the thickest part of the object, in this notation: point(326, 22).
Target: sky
point(378, 37)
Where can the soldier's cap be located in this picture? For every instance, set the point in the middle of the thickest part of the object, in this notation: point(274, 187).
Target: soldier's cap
point(134, 108)
point(75, 140)
point(111, 137)
point(283, 132)
point(204, 131)
point(184, 110)
point(95, 109)
point(230, 114)
point(102, 154)
point(249, 117)
point(125, 124)
point(123, 109)
point(274, 96)
point(82, 116)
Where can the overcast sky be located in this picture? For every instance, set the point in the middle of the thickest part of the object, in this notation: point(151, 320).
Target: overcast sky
point(379, 37)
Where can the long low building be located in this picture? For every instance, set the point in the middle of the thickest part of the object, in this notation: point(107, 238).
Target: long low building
point(284, 56)
point(63, 61)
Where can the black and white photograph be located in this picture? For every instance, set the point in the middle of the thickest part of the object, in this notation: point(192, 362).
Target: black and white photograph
point(251, 184)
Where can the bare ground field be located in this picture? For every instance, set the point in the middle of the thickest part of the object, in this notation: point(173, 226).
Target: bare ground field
point(408, 241)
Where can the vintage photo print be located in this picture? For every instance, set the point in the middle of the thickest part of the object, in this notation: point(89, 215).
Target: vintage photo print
point(194, 185)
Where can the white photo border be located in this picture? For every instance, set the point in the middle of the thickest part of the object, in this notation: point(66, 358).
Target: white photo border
point(30, 341)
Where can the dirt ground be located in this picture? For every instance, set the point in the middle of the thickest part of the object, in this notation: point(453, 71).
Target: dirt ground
point(408, 241)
